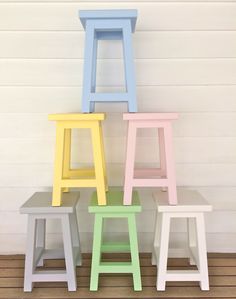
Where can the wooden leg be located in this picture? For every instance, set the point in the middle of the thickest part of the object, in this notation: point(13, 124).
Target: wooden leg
point(134, 252)
point(67, 156)
point(156, 243)
point(96, 254)
point(170, 167)
point(98, 163)
point(68, 249)
point(75, 238)
point(30, 254)
point(192, 240)
point(129, 165)
point(58, 168)
point(103, 156)
point(40, 238)
point(163, 253)
point(202, 252)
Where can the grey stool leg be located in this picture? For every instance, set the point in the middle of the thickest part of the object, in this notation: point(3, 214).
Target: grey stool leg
point(68, 249)
point(40, 240)
point(30, 254)
point(75, 239)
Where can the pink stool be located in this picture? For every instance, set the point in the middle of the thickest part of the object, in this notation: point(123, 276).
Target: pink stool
point(150, 177)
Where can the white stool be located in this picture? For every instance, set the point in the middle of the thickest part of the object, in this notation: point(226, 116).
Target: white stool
point(39, 208)
point(191, 205)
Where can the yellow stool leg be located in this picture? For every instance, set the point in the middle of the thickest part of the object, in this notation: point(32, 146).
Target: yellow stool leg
point(58, 169)
point(98, 164)
point(67, 157)
point(103, 156)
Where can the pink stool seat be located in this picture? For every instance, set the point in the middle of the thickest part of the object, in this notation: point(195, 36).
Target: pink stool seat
point(150, 116)
point(164, 176)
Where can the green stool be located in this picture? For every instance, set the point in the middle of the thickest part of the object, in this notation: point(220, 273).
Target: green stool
point(115, 209)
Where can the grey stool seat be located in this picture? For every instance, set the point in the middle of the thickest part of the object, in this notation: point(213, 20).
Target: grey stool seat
point(39, 209)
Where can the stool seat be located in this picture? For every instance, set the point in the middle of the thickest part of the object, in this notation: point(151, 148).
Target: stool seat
point(77, 116)
point(114, 209)
point(115, 203)
point(191, 206)
point(150, 116)
point(39, 209)
point(121, 14)
point(188, 201)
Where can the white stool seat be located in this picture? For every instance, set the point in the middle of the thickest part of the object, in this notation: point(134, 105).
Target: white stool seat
point(39, 209)
point(191, 205)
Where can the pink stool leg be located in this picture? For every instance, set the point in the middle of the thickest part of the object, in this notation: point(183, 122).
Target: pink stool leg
point(129, 165)
point(170, 169)
point(162, 152)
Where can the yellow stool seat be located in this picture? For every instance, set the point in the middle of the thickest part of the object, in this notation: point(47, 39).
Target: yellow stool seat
point(64, 176)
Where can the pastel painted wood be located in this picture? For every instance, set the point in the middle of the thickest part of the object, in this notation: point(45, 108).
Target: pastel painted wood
point(39, 210)
point(115, 209)
point(64, 176)
point(108, 25)
point(191, 205)
point(164, 176)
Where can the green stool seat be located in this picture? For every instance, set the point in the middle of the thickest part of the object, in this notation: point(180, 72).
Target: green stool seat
point(115, 209)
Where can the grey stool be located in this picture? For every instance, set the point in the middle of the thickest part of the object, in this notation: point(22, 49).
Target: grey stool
point(39, 209)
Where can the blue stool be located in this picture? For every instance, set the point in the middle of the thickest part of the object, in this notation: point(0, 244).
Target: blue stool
point(108, 25)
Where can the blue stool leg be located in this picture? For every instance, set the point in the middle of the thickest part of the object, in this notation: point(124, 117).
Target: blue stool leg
point(94, 71)
point(88, 66)
point(129, 67)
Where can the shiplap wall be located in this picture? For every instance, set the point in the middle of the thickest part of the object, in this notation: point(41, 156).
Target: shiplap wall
point(185, 58)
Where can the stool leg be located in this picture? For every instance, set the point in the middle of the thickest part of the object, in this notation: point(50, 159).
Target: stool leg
point(68, 249)
point(170, 169)
point(98, 163)
point(96, 255)
point(75, 238)
point(129, 165)
point(192, 240)
point(162, 154)
point(94, 71)
point(129, 67)
point(88, 67)
point(67, 157)
point(134, 252)
point(30, 254)
point(163, 253)
point(202, 252)
point(103, 156)
point(40, 237)
point(58, 169)
point(156, 243)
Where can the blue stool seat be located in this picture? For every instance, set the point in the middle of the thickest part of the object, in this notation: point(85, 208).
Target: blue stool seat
point(108, 25)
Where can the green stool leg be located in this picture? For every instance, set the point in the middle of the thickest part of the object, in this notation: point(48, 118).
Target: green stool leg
point(134, 252)
point(96, 257)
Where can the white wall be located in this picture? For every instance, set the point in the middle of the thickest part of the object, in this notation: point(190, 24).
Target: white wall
point(185, 56)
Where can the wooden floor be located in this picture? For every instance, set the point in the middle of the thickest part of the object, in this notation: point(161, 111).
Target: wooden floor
point(222, 271)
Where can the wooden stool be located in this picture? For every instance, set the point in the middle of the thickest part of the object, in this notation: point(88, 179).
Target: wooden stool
point(115, 209)
point(64, 176)
point(39, 209)
point(150, 177)
point(108, 25)
point(191, 205)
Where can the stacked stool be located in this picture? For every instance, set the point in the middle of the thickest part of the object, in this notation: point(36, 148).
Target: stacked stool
point(191, 205)
point(39, 209)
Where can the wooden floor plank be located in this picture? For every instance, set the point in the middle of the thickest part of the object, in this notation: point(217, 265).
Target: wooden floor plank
point(222, 271)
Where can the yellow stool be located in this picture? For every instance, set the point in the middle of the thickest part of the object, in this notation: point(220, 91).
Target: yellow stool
point(64, 176)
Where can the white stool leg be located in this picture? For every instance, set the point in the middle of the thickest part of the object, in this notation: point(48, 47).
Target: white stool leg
point(75, 238)
point(163, 253)
point(40, 237)
point(156, 243)
point(30, 254)
point(68, 249)
point(192, 240)
point(202, 252)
